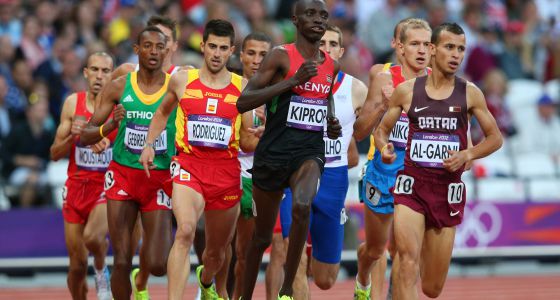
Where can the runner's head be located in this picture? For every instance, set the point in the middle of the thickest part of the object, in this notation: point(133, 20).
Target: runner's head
point(310, 18)
point(217, 44)
point(413, 48)
point(169, 29)
point(150, 48)
point(448, 48)
point(254, 48)
point(98, 71)
point(331, 42)
point(396, 36)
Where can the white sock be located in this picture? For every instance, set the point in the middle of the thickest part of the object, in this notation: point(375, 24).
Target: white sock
point(98, 272)
point(362, 287)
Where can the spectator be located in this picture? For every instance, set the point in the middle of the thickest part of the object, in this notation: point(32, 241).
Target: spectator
point(494, 87)
point(10, 25)
point(5, 122)
point(482, 57)
point(33, 52)
point(543, 134)
point(26, 152)
point(378, 30)
point(510, 58)
point(19, 87)
point(7, 54)
point(534, 52)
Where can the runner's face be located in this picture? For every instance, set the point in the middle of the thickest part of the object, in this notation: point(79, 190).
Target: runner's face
point(415, 52)
point(151, 50)
point(171, 43)
point(449, 52)
point(216, 51)
point(312, 19)
point(330, 43)
point(252, 56)
point(98, 72)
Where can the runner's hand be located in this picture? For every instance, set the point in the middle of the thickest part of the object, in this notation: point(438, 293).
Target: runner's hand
point(306, 71)
point(78, 126)
point(101, 146)
point(387, 91)
point(334, 130)
point(257, 132)
point(388, 155)
point(147, 159)
point(261, 114)
point(455, 160)
point(118, 113)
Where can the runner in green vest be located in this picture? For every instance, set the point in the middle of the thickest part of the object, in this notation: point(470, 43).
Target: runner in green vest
point(127, 187)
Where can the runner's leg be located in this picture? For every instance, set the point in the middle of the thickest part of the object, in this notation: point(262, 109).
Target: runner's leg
point(436, 256)
point(77, 253)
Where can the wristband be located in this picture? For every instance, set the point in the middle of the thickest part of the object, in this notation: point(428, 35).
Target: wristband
point(101, 131)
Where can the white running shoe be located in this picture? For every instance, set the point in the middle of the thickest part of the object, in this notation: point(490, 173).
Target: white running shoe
point(103, 284)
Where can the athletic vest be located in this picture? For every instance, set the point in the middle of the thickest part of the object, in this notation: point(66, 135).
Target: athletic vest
point(296, 119)
point(435, 127)
point(336, 151)
point(83, 163)
point(246, 159)
point(208, 122)
point(140, 109)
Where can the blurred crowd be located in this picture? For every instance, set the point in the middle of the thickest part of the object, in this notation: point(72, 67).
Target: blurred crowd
point(44, 44)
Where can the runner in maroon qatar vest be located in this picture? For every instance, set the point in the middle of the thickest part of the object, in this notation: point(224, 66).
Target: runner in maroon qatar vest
point(436, 126)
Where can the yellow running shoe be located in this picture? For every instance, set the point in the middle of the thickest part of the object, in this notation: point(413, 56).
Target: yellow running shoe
point(360, 294)
point(138, 295)
point(206, 293)
point(285, 297)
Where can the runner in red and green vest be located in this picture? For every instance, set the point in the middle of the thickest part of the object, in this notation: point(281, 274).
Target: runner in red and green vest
point(127, 187)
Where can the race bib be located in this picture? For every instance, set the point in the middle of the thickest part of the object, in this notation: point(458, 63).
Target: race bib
point(399, 134)
point(88, 160)
point(403, 185)
point(455, 193)
point(333, 149)
point(209, 131)
point(430, 149)
point(307, 113)
point(373, 194)
point(135, 138)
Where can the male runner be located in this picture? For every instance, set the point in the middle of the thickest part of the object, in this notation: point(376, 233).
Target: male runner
point(413, 52)
point(128, 189)
point(206, 171)
point(254, 48)
point(84, 208)
point(429, 193)
point(327, 212)
point(294, 81)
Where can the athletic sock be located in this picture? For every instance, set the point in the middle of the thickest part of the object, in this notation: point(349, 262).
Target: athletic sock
point(362, 287)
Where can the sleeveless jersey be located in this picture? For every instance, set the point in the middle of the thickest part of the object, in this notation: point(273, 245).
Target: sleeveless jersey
point(296, 119)
point(336, 151)
point(83, 162)
point(208, 122)
point(435, 127)
point(140, 109)
point(399, 133)
point(246, 159)
point(172, 70)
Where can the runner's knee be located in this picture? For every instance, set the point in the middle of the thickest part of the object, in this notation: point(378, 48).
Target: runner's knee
point(78, 267)
point(262, 241)
point(432, 289)
point(158, 266)
point(93, 240)
point(185, 234)
point(374, 252)
point(300, 212)
point(214, 256)
point(324, 281)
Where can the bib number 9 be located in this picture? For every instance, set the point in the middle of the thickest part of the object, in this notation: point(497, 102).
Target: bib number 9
point(109, 180)
point(403, 185)
point(455, 193)
point(174, 169)
point(372, 194)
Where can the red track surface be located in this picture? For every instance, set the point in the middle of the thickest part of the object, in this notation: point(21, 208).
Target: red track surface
point(486, 288)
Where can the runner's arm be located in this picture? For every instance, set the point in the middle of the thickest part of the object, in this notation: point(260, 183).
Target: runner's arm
point(123, 70)
point(359, 94)
point(63, 139)
point(247, 140)
point(401, 94)
point(374, 107)
point(353, 155)
point(107, 99)
point(493, 138)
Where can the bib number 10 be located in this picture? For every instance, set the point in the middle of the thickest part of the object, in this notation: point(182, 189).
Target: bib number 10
point(455, 193)
point(403, 185)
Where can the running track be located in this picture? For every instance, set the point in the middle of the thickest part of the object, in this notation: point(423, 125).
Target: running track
point(457, 288)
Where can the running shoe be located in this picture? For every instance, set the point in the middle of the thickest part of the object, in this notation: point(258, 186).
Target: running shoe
point(138, 295)
point(360, 294)
point(206, 293)
point(103, 284)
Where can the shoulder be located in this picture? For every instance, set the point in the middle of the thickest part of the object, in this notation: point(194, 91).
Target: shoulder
point(123, 70)
point(473, 90)
point(70, 103)
point(406, 86)
point(376, 69)
point(357, 84)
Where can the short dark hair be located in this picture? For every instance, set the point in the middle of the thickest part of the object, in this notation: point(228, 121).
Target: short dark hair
point(336, 29)
point(256, 36)
point(150, 29)
point(165, 22)
point(218, 27)
point(451, 27)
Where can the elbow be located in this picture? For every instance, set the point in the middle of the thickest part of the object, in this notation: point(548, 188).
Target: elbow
point(55, 156)
point(353, 161)
point(359, 134)
point(500, 141)
point(241, 108)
